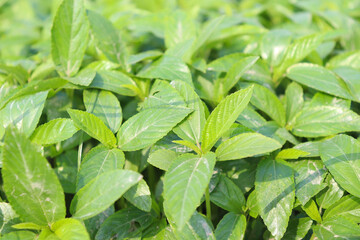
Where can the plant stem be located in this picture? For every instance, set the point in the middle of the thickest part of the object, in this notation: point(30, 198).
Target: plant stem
point(80, 151)
point(208, 205)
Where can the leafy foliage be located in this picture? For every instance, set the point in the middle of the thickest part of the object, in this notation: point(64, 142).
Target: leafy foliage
point(179, 119)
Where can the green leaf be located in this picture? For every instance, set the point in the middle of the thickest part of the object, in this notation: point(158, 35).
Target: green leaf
point(275, 194)
point(340, 227)
point(223, 116)
point(291, 153)
point(323, 99)
point(330, 195)
point(162, 158)
point(245, 145)
point(231, 227)
point(114, 81)
point(274, 44)
point(235, 73)
point(319, 78)
point(312, 211)
point(350, 76)
point(67, 169)
point(83, 78)
point(93, 126)
point(323, 121)
point(148, 126)
point(8, 218)
point(312, 148)
point(298, 228)
point(348, 59)
point(267, 101)
point(139, 195)
point(348, 207)
point(184, 185)
point(297, 51)
point(252, 205)
point(54, 131)
point(70, 228)
point(105, 106)
point(228, 196)
point(294, 100)
point(107, 39)
point(191, 127)
point(23, 112)
point(69, 35)
point(126, 223)
point(309, 176)
point(178, 28)
point(19, 235)
point(30, 184)
point(198, 227)
point(98, 160)
point(341, 155)
point(101, 192)
point(168, 68)
point(93, 224)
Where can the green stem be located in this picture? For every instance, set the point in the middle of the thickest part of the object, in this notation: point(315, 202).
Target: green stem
point(208, 205)
point(80, 151)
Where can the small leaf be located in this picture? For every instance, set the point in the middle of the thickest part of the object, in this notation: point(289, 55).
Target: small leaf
point(231, 227)
point(294, 100)
point(184, 185)
point(30, 184)
point(69, 35)
point(139, 195)
point(107, 39)
point(83, 78)
point(348, 207)
point(298, 228)
point(312, 211)
point(267, 101)
point(98, 160)
point(275, 194)
point(54, 131)
point(93, 126)
point(148, 126)
point(101, 192)
point(330, 195)
point(341, 155)
point(228, 196)
point(291, 153)
point(105, 106)
point(69, 228)
point(162, 158)
point(223, 116)
point(245, 145)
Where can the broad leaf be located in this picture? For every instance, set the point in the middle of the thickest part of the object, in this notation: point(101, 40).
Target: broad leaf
point(312, 210)
point(184, 184)
point(54, 131)
point(198, 227)
point(98, 160)
point(83, 78)
point(139, 195)
point(23, 112)
point(294, 100)
point(245, 145)
point(223, 116)
point(122, 224)
point(348, 207)
point(228, 196)
point(69, 35)
point(298, 228)
point(297, 51)
point(350, 76)
point(291, 153)
point(20, 235)
point(275, 194)
point(107, 38)
point(69, 228)
point(168, 68)
point(309, 176)
point(340, 227)
point(267, 101)
point(93, 126)
point(341, 155)
point(105, 106)
point(325, 120)
point(30, 184)
point(148, 126)
point(319, 78)
point(274, 44)
point(190, 129)
point(231, 227)
point(101, 192)
point(330, 195)
point(162, 158)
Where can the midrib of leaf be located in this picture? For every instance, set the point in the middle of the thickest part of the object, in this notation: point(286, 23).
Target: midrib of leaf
point(233, 225)
point(102, 164)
